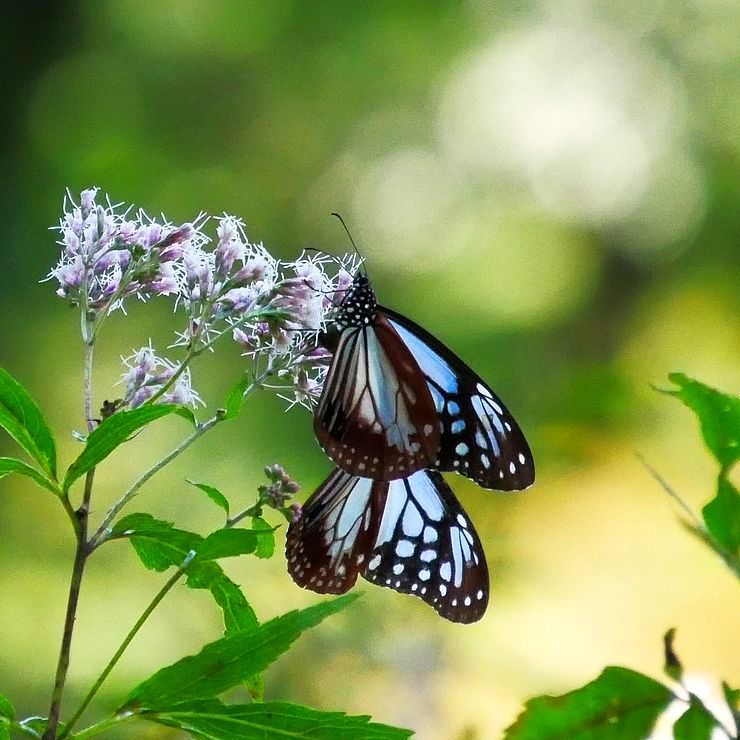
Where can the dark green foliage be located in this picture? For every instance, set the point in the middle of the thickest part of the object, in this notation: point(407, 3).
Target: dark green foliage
point(266, 538)
point(10, 465)
point(619, 705)
point(719, 417)
point(722, 517)
point(227, 543)
point(217, 721)
point(160, 546)
point(696, 723)
point(6, 708)
point(223, 664)
point(23, 421)
point(214, 494)
point(114, 431)
point(235, 399)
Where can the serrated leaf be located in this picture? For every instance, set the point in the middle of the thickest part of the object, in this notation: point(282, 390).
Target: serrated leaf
point(227, 543)
point(114, 431)
point(6, 708)
point(214, 494)
point(158, 544)
point(235, 397)
point(618, 705)
point(273, 719)
point(719, 416)
point(722, 516)
point(696, 723)
point(227, 662)
point(238, 613)
point(23, 421)
point(266, 538)
point(10, 465)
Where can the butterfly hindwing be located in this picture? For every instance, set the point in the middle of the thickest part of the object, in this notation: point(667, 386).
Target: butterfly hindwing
point(329, 545)
point(376, 416)
point(410, 535)
point(426, 546)
point(480, 439)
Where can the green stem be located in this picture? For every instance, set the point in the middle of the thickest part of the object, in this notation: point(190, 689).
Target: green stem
point(102, 726)
point(100, 534)
point(122, 648)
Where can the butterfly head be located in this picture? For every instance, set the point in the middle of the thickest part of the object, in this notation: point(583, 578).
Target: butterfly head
point(358, 307)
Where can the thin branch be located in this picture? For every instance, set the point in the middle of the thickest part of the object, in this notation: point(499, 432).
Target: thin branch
point(78, 568)
point(99, 537)
point(122, 648)
point(670, 491)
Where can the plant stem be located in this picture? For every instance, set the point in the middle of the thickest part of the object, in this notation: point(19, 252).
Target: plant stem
point(88, 394)
point(79, 521)
point(122, 648)
point(100, 534)
point(81, 553)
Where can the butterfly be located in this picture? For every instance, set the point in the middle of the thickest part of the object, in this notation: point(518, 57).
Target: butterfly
point(395, 401)
point(409, 534)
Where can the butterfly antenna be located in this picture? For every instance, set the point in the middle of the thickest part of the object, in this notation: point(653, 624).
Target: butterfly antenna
point(352, 241)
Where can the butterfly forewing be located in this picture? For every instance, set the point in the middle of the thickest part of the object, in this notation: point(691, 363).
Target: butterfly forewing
point(426, 546)
point(376, 417)
point(479, 437)
point(410, 535)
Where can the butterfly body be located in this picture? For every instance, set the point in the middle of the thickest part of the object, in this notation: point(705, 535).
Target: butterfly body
point(376, 416)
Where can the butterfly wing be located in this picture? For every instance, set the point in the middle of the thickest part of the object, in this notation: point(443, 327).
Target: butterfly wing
point(427, 546)
point(376, 416)
point(410, 535)
point(330, 543)
point(479, 437)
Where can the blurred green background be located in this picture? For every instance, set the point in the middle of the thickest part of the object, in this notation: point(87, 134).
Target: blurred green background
point(549, 187)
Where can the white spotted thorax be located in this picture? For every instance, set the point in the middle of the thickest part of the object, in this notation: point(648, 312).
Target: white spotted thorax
point(359, 305)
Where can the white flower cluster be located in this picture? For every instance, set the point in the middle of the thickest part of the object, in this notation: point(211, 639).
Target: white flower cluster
point(273, 309)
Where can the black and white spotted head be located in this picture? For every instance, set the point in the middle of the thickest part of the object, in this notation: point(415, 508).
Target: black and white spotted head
point(359, 305)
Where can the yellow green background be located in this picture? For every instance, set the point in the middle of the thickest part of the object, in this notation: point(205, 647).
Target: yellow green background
point(551, 188)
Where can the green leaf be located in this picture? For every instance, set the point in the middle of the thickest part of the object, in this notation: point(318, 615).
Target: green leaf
point(719, 417)
point(36, 726)
point(214, 494)
point(238, 613)
point(114, 431)
point(10, 465)
point(722, 516)
point(22, 420)
point(696, 723)
point(6, 708)
point(157, 543)
point(160, 546)
point(235, 398)
point(228, 661)
point(732, 697)
point(213, 719)
point(227, 543)
point(4, 730)
point(266, 538)
point(619, 705)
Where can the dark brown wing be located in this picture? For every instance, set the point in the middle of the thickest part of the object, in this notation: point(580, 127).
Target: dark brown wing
point(376, 416)
point(329, 546)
